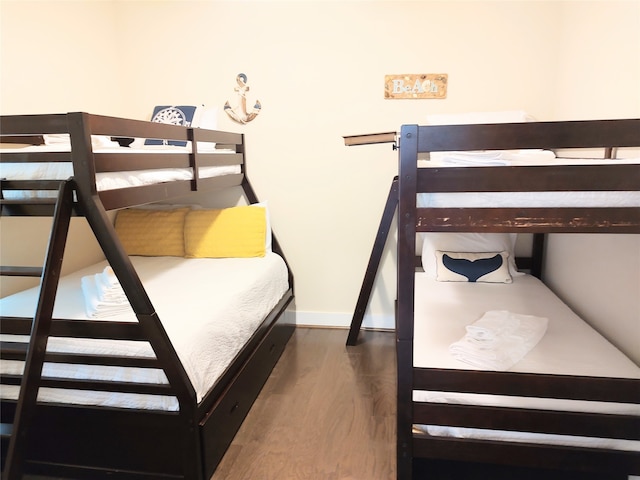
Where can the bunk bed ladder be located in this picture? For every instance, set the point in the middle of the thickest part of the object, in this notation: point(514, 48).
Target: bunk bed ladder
point(50, 275)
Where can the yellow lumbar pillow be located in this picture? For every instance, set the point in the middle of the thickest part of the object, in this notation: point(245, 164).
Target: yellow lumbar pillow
point(152, 233)
point(230, 232)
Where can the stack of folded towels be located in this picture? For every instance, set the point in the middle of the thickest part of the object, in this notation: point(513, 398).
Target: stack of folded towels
point(103, 295)
point(499, 339)
point(492, 157)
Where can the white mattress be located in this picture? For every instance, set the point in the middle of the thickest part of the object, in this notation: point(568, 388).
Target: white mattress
point(523, 199)
point(569, 346)
point(209, 308)
point(106, 180)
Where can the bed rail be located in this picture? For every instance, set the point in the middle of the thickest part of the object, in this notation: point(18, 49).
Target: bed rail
point(87, 162)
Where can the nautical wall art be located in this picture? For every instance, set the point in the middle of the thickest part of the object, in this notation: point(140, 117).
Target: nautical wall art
point(415, 86)
point(240, 113)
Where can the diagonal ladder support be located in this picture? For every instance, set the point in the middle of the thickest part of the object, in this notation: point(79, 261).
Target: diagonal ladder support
point(25, 409)
point(374, 263)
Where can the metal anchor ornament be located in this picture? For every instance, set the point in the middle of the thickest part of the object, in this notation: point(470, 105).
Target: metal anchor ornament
point(243, 116)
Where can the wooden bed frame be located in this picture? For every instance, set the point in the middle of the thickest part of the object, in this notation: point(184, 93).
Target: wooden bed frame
point(416, 449)
point(99, 442)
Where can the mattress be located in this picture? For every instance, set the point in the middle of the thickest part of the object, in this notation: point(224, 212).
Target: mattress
point(108, 180)
point(570, 346)
point(208, 307)
point(522, 199)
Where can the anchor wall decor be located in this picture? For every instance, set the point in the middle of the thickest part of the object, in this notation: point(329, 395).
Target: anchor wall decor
point(242, 116)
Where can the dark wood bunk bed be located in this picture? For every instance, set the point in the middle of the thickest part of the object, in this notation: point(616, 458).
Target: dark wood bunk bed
point(420, 454)
point(89, 441)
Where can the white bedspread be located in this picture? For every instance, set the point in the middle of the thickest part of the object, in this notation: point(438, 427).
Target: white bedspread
point(570, 346)
point(523, 199)
point(106, 180)
point(462, 303)
point(209, 308)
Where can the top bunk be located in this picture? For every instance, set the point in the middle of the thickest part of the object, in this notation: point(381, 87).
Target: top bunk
point(544, 192)
point(524, 185)
point(122, 162)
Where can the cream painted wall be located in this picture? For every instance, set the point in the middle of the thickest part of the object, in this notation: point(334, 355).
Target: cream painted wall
point(55, 57)
point(318, 69)
point(599, 275)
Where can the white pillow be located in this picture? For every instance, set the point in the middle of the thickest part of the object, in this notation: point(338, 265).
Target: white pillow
point(269, 236)
point(507, 116)
point(488, 267)
point(467, 242)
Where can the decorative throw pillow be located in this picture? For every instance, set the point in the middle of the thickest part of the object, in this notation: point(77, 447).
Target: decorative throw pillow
point(230, 232)
point(467, 242)
point(490, 267)
point(184, 115)
point(152, 233)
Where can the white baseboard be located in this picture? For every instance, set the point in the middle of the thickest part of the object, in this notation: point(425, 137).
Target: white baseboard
point(328, 319)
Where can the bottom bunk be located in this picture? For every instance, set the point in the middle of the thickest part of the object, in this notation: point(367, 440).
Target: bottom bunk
point(105, 408)
point(507, 376)
point(567, 347)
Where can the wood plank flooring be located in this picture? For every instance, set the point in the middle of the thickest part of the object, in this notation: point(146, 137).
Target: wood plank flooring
point(326, 412)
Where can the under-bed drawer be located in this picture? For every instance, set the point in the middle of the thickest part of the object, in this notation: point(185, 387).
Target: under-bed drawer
point(219, 427)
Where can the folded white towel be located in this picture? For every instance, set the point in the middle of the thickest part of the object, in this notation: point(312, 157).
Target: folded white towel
point(109, 288)
point(103, 295)
point(492, 157)
point(469, 159)
point(499, 339)
point(63, 139)
point(493, 325)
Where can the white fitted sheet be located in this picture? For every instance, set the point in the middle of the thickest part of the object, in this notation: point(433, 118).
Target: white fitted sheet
point(570, 346)
point(209, 308)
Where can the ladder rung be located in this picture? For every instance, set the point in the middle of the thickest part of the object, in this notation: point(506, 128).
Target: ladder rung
point(21, 271)
point(13, 350)
point(53, 185)
point(28, 201)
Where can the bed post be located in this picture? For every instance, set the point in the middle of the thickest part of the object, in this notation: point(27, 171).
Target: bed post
point(407, 181)
point(537, 254)
point(79, 125)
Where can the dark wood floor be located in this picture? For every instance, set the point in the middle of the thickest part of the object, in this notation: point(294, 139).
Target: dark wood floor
point(327, 412)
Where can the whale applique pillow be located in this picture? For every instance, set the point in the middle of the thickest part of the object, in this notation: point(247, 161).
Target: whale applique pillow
point(489, 267)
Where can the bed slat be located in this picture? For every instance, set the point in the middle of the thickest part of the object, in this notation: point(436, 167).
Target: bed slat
point(529, 220)
point(526, 454)
point(528, 384)
point(614, 177)
point(528, 420)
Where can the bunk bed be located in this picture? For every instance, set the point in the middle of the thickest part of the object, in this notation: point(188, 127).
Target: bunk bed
point(125, 394)
point(547, 410)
